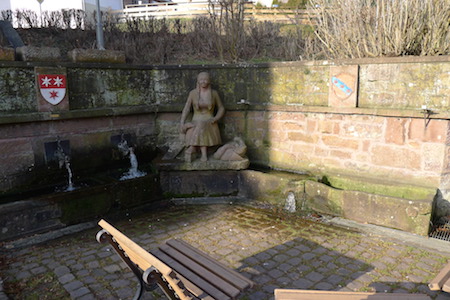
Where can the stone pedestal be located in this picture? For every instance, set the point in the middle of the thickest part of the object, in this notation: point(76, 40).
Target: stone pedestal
point(198, 165)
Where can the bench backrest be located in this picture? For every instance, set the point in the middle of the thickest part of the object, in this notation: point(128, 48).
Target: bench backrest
point(143, 259)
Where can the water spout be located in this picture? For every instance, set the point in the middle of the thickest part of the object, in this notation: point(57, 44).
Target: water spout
point(64, 160)
point(123, 145)
point(133, 161)
point(133, 172)
point(290, 205)
point(70, 186)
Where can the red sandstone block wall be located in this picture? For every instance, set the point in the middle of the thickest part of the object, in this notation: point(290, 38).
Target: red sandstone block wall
point(389, 148)
point(23, 145)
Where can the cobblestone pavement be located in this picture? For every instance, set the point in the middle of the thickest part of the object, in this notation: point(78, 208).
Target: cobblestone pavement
point(273, 249)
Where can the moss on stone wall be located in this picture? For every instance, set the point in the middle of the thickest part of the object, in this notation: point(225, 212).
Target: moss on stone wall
point(93, 88)
point(404, 85)
point(379, 187)
point(271, 186)
point(306, 85)
point(408, 215)
point(17, 90)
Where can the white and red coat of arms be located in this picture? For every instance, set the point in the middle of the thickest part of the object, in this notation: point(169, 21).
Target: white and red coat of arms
point(52, 87)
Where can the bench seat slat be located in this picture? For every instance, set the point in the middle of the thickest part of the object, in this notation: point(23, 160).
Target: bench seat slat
point(230, 276)
point(193, 278)
point(438, 282)
point(446, 286)
point(195, 290)
point(193, 266)
point(137, 254)
point(286, 294)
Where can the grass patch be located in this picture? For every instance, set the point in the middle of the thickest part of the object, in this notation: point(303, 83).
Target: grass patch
point(38, 287)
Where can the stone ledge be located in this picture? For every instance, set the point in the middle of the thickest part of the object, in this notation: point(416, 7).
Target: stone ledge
point(272, 186)
point(31, 53)
point(197, 165)
point(26, 117)
point(407, 112)
point(7, 54)
point(199, 184)
point(208, 200)
point(405, 214)
point(378, 186)
point(11, 117)
point(96, 55)
point(402, 237)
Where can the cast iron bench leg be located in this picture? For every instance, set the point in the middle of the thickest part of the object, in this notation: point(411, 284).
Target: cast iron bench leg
point(102, 237)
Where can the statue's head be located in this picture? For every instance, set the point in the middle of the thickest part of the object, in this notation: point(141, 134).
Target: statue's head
point(203, 79)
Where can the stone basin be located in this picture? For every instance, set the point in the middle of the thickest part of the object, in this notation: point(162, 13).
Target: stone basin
point(41, 209)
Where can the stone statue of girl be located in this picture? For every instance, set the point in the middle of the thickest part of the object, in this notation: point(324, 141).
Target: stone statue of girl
point(202, 131)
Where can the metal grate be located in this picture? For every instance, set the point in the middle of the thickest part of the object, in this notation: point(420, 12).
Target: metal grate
point(441, 230)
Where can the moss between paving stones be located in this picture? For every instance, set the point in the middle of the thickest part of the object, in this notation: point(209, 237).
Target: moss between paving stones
point(213, 228)
point(38, 287)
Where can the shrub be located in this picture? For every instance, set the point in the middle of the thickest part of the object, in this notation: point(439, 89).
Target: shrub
point(340, 29)
point(367, 28)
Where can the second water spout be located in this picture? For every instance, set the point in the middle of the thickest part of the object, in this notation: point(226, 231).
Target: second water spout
point(133, 172)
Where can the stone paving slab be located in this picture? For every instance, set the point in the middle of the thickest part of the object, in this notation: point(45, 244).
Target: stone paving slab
point(273, 249)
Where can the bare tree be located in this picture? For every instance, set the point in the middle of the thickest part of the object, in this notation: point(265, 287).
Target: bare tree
point(228, 26)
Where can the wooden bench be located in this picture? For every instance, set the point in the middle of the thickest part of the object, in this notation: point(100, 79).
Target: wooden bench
point(286, 294)
point(182, 271)
point(442, 281)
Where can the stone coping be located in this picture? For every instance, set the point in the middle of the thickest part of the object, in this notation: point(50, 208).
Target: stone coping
point(43, 54)
point(359, 61)
point(378, 186)
point(7, 54)
point(96, 55)
point(25, 117)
